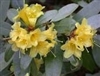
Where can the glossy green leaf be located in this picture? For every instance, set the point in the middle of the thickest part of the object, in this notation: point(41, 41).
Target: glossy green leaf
point(9, 53)
point(5, 28)
point(18, 70)
point(11, 14)
point(91, 9)
point(53, 65)
point(65, 26)
point(25, 61)
point(46, 17)
point(88, 61)
point(82, 3)
point(16, 64)
point(2, 48)
point(5, 72)
point(33, 68)
point(96, 52)
point(94, 21)
point(17, 3)
point(24, 72)
point(65, 11)
point(3, 64)
point(4, 5)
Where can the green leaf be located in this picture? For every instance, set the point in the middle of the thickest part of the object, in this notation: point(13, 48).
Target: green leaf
point(4, 28)
point(88, 10)
point(11, 14)
point(4, 5)
point(18, 71)
point(94, 21)
point(16, 64)
point(17, 3)
point(53, 65)
point(82, 3)
point(23, 72)
point(5, 72)
point(9, 53)
point(88, 61)
point(65, 26)
point(96, 52)
point(33, 68)
point(2, 48)
point(3, 64)
point(46, 17)
point(25, 61)
point(65, 11)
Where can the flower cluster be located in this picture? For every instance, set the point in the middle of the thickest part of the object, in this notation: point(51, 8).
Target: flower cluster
point(82, 37)
point(35, 41)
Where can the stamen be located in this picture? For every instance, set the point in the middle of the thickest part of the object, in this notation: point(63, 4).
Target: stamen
point(53, 54)
point(96, 44)
point(87, 50)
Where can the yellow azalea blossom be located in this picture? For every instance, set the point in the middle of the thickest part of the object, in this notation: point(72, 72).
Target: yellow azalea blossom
point(83, 37)
point(17, 31)
point(23, 42)
point(36, 36)
point(84, 40)
point(42, 48)
point(29, 14)
point(84, 28)
point(14, 46)
point(71, 49)
point(51, 33)
point(84, 34)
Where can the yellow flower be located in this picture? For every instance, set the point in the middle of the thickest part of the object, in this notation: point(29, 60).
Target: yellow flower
point(51, 33)
point(84, 40)
point(23, 42)
point(84, 28)
point(14, 46)
point(36, 36)
point(83, 37)
point(17, 31)
point(71, 49)
point(42, 48)
point(84, 34)
point(19, 37)
point(29, 14)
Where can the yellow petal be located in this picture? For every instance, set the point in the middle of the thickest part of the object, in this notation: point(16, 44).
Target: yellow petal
point(50, 33)
point(84, 22)
point(33, 52)
point(36, 36)
point(14, 46)
point(68, 53)
point(43, 48)
point(78, 53)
